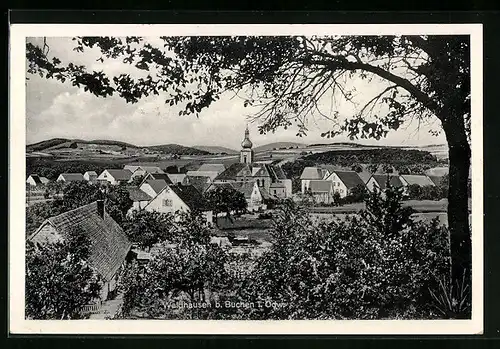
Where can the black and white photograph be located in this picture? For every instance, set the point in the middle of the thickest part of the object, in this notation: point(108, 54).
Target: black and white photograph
point(238, 174)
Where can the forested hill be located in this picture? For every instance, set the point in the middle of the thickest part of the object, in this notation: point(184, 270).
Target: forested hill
point(392, 156)
point(55, 144)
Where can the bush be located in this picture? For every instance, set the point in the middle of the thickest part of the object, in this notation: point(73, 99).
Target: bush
point(265, 215)
point(378, 265)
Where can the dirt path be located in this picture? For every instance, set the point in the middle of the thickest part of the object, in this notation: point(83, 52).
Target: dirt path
point(108, 309)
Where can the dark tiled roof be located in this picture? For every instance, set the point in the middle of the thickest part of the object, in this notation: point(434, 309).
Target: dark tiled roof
point(109, 245)
point(36, 178)
point(349, 178)
point(222, 185)
point(163, 176)
point(244, 187)
point(264, 171)
point(382, 179)
point(91, 173)
point(73, 177)
point(120, 175)
point(201, 183)
point(157, 184)
point(191, 197)
point(137, 194)
point(231, 172)
point(436, 179)
point(279, 172)
point(420, 180)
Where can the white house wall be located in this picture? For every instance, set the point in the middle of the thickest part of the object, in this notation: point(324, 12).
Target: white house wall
point(371, 184)
point(175, 204)
point(338, 185)
point(107, 177)
point(148, 190)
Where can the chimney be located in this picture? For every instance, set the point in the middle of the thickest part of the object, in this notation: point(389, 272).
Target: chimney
point(100, 208)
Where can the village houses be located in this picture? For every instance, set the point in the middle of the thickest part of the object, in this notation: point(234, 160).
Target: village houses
point(141, 171)
point(70, 177)
point(138, 197)
point(35, 180)
point(115, 176)
point(90, 176)
point(180, 198)
point(252, 192)
point(153, 186)
point(344, 182)
point(264, 174)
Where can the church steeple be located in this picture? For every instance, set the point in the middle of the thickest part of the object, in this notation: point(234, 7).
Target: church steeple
point(246, 154)
point(247, 143)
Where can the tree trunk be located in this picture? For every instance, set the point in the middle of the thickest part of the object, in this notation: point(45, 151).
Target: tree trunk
point(458, 211)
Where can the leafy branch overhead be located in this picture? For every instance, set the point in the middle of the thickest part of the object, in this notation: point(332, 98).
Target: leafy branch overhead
point(286, 79)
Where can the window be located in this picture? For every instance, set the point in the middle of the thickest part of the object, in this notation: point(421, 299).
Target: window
point(167, 202)
point(341, 190)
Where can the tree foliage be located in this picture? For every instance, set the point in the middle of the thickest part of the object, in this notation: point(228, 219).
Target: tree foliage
point(186, 270)
point(358, 268)
point(225, 200)
point(59, 281)
point(287, 78)
point(147, 228)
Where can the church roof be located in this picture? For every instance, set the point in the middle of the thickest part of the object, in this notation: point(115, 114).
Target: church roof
point(231, 172)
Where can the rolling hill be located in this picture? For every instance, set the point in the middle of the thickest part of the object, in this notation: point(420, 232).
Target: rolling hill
point(215, 149)
point(56, 144)
point(279, 145)
point(177, 149)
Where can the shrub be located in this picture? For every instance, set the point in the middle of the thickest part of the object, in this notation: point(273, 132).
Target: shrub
point(265, 215)
point(378, 265)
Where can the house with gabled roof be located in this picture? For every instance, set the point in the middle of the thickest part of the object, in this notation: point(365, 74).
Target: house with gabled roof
point(70, 177)
point(344, 181)
point(437, 180)
point(176, 178)
point(311, 174)
point(139, 198)
point(90, 176)
point(150, 176)
point(201, 183)
point(115, 176)
point(109, 246)
point(180, 198)
point(321, 190)
point(420, 180)
point(142, 171)
point(379, 182)
point(209, 174)
point(153, 186)
point(35, 180)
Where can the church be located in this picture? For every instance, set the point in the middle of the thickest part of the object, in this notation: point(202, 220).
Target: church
point(270, 178)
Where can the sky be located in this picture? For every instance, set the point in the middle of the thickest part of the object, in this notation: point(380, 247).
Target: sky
point(55, 109)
